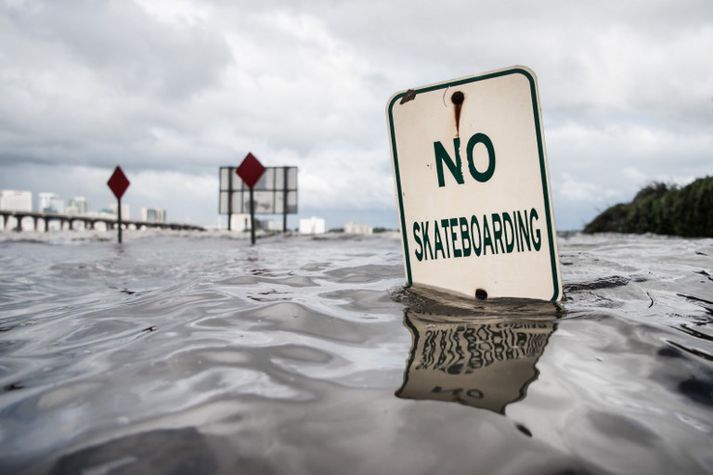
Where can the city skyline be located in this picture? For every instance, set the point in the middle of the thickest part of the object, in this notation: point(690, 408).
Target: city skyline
point(51, 202)
point(343, 218)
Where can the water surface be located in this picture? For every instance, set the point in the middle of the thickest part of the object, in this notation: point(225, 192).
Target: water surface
point(197, 353)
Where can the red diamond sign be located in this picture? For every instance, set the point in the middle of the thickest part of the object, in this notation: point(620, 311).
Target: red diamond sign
point(250, 170)
point(118, 182)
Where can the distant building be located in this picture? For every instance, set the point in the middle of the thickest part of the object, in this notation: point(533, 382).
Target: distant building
point(77, 205)
point(153, 215)
point(16, 200)
point(272, 225)
point(312, 225)
point(50, 203)
point(240, 222)
point(353, 228)
point(124, 211)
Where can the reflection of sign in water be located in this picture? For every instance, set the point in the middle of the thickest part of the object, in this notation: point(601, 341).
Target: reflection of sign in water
point(275, 192)
point(482, 362)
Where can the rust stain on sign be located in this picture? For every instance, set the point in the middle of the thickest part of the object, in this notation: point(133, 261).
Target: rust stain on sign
point(457, 99)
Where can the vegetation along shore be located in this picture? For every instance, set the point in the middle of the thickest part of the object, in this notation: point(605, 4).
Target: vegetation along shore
point(662, 209)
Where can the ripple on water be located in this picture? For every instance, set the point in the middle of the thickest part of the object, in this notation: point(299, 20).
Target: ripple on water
point(201, 354)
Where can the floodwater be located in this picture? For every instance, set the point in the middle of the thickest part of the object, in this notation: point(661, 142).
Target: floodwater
point(198, 354)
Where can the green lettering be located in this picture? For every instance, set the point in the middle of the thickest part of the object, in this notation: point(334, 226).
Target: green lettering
point(456, 168)
point(474, 221)
point(536, 241)
point(524, 232)
point(444, 223)
point(497, 232)
point(508, 231)
point(465, 236)
point(487, 240)
point(419, 251)
point(438, 244)
point(426, 240)
point(488, 173)
point(454, 225)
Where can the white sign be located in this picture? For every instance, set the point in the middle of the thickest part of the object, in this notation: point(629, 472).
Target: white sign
point(473, 189)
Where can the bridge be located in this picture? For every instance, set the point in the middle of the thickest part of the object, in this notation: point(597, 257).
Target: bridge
point(89, 221)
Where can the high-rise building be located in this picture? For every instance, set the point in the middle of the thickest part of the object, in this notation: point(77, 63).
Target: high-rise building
point(312, 225)
point(124, 210)
point(77, 205)
point(50, 203)
point(16, 200)
point(153, 215)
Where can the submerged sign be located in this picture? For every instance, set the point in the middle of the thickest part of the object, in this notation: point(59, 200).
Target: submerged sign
point(472, 186)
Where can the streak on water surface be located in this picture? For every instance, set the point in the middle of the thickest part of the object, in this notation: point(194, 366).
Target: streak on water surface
point(199, 353)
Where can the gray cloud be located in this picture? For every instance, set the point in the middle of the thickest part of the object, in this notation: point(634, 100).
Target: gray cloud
point(172, 89)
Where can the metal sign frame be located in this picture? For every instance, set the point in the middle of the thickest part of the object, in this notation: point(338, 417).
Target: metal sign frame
point(277, 186)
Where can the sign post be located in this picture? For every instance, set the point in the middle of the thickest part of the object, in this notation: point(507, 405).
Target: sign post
point(230, 201)
point(473, 189)
point(284, 199)
point(118, 183)
point(252, 215)
point(250, 170)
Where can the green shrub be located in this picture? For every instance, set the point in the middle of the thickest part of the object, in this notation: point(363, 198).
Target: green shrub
point(662, 209)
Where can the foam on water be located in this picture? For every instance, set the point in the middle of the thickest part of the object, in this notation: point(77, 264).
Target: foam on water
point(197, 353)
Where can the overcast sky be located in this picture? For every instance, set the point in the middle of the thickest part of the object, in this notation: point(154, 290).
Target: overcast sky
point(173, 89)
